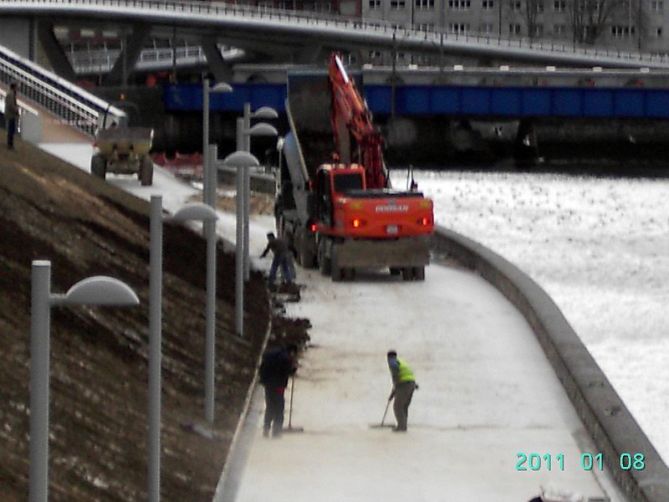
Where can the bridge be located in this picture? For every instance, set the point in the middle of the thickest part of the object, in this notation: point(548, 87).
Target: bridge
point(474, 101)
point(292, 35)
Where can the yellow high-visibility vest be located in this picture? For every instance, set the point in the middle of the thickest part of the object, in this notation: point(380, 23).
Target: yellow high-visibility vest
point(405, 375)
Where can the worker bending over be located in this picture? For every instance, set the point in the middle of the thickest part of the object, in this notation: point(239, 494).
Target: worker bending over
point(282, 258)
point(404, 384)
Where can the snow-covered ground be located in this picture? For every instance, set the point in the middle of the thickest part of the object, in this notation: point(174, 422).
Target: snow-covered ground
point(487, 391)
point(599, 247)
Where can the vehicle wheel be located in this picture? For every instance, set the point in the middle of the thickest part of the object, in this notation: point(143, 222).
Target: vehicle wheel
point(146, 171)
point(419, 273)
point(99, 166)
point(395, 271)
point(349, 274)
point(306, 251)
point(407, 273)
point(335, 269)
point(324, 263)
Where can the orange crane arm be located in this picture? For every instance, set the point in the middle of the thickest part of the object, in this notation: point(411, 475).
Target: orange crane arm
point(351, 118)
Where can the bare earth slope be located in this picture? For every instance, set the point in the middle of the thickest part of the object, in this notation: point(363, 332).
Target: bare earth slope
point(49, 210)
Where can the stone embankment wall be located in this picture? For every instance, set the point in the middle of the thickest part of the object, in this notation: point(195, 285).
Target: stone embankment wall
point(605, 416)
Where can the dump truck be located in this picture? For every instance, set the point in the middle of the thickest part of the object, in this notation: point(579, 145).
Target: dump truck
point(123, 150)
point(335, 205)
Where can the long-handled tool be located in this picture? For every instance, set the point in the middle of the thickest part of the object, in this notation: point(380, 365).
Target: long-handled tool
point(382, 424)
point(290, 427)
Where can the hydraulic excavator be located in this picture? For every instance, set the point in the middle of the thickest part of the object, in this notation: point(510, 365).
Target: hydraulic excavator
point(343, 215)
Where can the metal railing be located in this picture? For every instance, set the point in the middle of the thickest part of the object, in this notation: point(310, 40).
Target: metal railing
point(73, 105)
point(430, 38)
point(102, 60)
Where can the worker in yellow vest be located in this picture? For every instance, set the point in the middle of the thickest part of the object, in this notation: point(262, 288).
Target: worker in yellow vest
point(404, 384)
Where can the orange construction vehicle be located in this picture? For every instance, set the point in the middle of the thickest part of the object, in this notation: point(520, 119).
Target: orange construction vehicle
point(344, 215)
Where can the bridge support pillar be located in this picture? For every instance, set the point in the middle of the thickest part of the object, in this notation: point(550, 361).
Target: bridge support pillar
point(125, 64)
point(222, 71)
point(526, 145)
point(54, 51)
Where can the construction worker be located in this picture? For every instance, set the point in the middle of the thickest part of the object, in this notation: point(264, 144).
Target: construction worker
point(282, 258)
point(11, 115)
point(404, 384)
point(277, 366)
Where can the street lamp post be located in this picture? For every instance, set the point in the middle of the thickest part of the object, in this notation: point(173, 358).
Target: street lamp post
point(261, 129)
point(98, 290)
point(241, 161)
point(199, 212)
point(209, 181)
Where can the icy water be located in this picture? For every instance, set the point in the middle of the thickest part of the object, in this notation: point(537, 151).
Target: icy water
point(599, 247)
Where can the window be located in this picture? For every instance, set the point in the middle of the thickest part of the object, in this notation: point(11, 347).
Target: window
point(514, 29)
point(559, 5)
point(559, 30)
point(374, 54)
point(515, 5)
point(374, 4)
point(458, 27)
point(657, 5)
point(540, 7)
point(538, 30)
point(622, 31)
point(424, 4)
point(459, 4)
point(425, 26)
point(658, 32)
point(487, 28)
point(398, 4)
point(488, 4)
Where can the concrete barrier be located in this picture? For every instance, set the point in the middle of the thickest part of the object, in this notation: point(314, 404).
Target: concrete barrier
point(263, 183)
point(609, 422)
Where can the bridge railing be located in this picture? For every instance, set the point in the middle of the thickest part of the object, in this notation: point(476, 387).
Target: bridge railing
point(433, 36)
point(102, 60)
point(69, 103)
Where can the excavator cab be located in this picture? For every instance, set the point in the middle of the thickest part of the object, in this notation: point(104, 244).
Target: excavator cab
point(334, 181)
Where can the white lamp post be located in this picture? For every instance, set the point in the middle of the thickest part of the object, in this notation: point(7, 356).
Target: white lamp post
point(200, 212)
point(261, 129)
point(241, 161)
point(209, 174)
point(98, 290)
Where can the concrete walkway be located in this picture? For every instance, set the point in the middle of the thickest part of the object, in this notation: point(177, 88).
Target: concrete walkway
point(487, 393)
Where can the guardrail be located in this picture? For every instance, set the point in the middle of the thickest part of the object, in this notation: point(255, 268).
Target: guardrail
point(73, 105)
point(402, 35)
point(102, 61)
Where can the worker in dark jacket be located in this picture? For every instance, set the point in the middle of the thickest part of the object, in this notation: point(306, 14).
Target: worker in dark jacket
point(277, 366)
point(11, 115)
point(282, 258)
point(404, 384)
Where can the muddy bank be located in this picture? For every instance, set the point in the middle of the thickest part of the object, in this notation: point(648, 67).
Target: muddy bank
point(49, 210)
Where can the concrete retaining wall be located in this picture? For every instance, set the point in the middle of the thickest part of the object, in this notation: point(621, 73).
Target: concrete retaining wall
point(263, 183)
point(606, 417)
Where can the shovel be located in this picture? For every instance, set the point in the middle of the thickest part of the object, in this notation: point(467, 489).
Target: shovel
point(382, 424)
point(290, 427)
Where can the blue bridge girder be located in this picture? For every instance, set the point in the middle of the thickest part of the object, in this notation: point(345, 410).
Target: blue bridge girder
point(501, 102)
point(282, 30)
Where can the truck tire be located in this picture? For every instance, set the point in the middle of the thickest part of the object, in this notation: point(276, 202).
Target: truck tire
point(407, 274)
point(146, 171)
point(324, 263)
point(395, 271)
point(419, 273)
point(99, 166)
point(305, 250)
point(336, 271)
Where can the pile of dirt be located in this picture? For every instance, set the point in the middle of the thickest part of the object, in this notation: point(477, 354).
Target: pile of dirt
point(49, 210)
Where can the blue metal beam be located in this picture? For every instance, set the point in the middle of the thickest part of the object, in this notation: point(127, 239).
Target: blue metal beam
point(456, 100)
